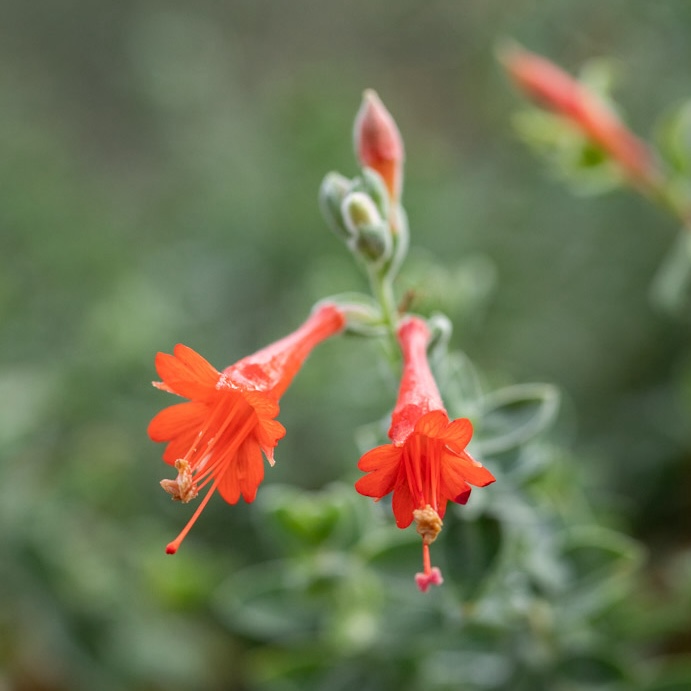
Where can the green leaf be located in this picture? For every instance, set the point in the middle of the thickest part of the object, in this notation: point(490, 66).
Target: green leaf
point(513, 415)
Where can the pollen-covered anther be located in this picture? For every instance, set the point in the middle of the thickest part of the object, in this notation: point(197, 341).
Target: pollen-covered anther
point(183, 488)
point(428, 523)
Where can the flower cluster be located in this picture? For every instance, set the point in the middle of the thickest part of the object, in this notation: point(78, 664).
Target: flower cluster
point(220, 436)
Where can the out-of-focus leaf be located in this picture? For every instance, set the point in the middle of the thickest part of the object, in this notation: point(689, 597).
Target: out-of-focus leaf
point(672, 675)
point(300, 520)
point(513, 415)
point(470, 549)
point(458, 670)
point(571, 156)
point(671, 287)
point(267, 602)
point(673, 137)
point(460, 385)
point(596, 670)
point(601, 563)
point(460, 291)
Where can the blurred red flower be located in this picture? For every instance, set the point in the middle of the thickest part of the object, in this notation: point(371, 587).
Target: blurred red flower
point(555, 90)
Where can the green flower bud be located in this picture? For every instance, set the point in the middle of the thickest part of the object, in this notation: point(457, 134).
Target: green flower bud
point(370, 233)
point(373, 185)
point(332, 192)
point(359, 211)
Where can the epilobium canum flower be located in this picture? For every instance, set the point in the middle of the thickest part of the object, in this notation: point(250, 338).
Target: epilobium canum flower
point(427, 465)
point(218, 436)
point(552, 88)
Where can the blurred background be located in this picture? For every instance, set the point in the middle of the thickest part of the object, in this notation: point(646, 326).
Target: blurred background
point(159, 168)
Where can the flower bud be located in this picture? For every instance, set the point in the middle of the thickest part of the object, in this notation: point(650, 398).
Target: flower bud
point(332, 192)
point(373, 185)
point(552, 88)
point(370, 233)
point(358, 211)
point(378, 143)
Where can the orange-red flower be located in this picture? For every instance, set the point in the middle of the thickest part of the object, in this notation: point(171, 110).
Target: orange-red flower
point(427, 465)
point(218, 436)
point(378, 143)
point(552, 88)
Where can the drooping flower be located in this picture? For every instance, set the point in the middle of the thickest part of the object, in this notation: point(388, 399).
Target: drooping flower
point(217, 437)
point(378, 142)
point(554, 89)
point(427, 464)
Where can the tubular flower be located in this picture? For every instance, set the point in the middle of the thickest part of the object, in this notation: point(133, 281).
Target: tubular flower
point(427, 465)
point(217, 437)
point(378, 143)
point(555, 90)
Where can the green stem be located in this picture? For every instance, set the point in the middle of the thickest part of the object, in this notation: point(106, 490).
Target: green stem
point(382, 290)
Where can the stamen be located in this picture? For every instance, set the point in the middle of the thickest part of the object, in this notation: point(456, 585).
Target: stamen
point(220, 409)
point(210, 471)
point(228, 453)
point(183, 488)
point(412, 469)
point(418, 464)
point(173, 546)
point(434, 462)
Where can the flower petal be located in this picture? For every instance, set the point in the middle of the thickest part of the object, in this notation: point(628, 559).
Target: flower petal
point(456, 470)
point(403, 504)
point(265, 405)
point(229, 485)
point(382, 465)
point(249, 467)
point(432, 424)
point(268, 433)
point(458, 434)
point(176, 420)
point(180, 446)
point(187, 373)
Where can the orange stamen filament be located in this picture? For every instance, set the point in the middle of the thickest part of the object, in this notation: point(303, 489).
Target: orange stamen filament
point(239, 436)
point(434, 462)
point(211, 471)
point(172, 547)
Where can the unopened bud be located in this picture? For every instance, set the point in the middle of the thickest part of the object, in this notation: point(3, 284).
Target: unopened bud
point(332, 192)
point(359, 211)
point(378, 143)
point(373, 185)
point(371, 234)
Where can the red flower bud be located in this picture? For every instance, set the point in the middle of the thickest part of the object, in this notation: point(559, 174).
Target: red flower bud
point(555, 90)
point(378, 143)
